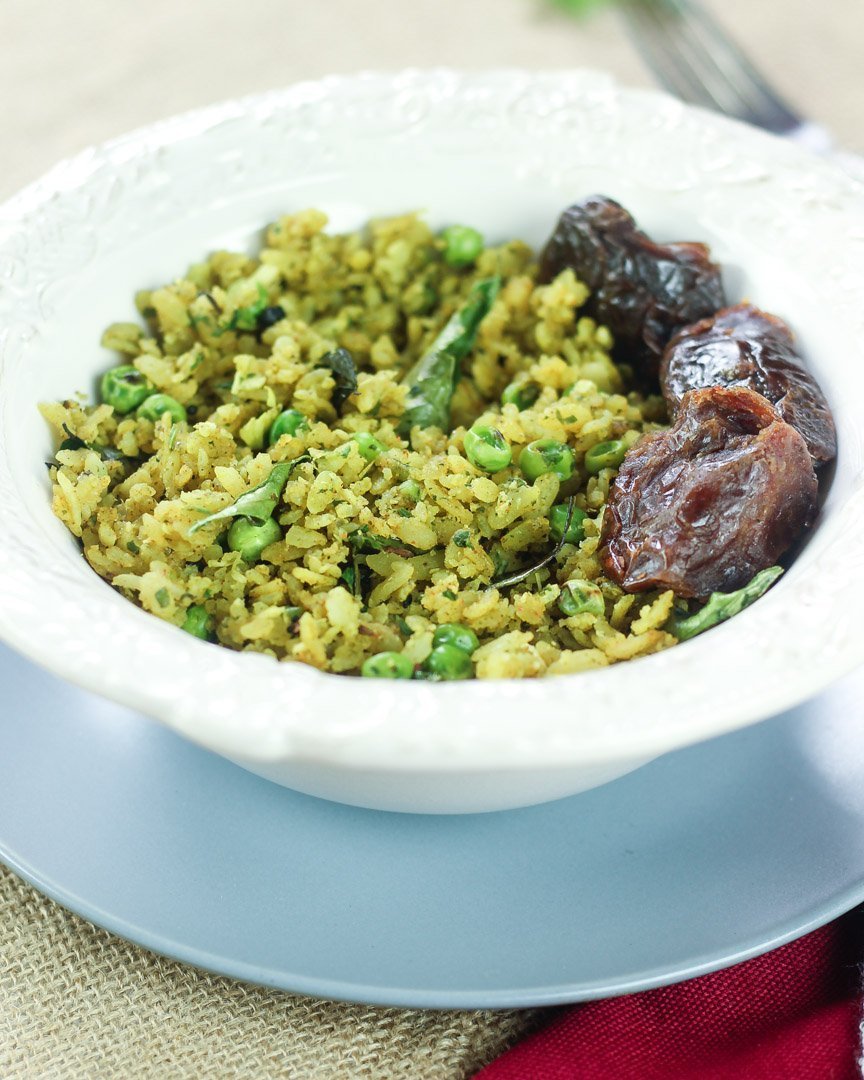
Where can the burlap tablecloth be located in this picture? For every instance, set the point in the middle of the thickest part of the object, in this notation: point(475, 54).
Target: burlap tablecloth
point(74, 1000)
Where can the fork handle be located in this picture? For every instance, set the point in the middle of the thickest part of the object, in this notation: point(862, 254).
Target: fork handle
point(813, 136)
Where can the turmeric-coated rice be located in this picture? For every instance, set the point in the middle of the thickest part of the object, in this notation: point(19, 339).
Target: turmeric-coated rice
point(373, 550)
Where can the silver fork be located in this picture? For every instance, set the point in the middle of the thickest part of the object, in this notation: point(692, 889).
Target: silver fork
point(693, 58)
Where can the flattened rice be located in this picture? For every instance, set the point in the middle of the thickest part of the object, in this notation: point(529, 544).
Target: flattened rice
point(376, 531)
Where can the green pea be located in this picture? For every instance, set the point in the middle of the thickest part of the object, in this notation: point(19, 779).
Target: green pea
point(287, 423)
point(157, 404)
point(605, 455)
point(546, 456)
point(487, 448)
point(124, 388)
point(198, 623)
point(411, 490)
point(462, 245)
point(368, 445)
point(463, 637)
point(521, 394)
point(447, 662)
point(579, 597)
point(250, 540)
point(387, 665)
point(558, 519)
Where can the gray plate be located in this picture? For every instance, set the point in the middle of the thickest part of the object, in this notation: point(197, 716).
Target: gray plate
point(694, 862)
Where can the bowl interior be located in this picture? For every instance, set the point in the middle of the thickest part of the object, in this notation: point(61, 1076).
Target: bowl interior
point(66, 358)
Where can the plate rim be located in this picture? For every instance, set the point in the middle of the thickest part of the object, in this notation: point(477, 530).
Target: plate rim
point(364, 994)
point(805, 918)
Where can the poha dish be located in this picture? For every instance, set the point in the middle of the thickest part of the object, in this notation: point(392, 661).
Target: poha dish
point(384, 453)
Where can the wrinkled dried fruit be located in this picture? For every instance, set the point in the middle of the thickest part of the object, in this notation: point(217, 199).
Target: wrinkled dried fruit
point(743, 346)
point(642, 291)
point(706, 504)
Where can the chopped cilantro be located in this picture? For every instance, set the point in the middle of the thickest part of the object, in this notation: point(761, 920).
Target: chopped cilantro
point(246, 318)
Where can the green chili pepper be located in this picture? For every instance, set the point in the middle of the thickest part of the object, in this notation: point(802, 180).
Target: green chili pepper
point(433, 378)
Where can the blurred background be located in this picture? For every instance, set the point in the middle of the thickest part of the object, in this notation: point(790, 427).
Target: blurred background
point(80, 71)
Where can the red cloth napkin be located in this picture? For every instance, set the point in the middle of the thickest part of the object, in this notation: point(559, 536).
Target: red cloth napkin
point(792, 1014)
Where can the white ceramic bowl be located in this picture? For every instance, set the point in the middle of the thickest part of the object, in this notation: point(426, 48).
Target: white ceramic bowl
point(505, 151)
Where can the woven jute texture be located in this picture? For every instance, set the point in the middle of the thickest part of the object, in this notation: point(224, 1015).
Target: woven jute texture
point(77, 1002)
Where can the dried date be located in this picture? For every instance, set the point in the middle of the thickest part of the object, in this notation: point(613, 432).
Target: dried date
point(743, 346)
point(641, 290)
point(706, 504)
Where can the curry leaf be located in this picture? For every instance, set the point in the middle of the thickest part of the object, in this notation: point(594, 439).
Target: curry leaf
point(258, 504)
point(107, 453)
point(73, 443)
point(722, 606)
point(433, 378)
point(341, 363)
point(110, 453)
point(292, 614)
point(362, 542)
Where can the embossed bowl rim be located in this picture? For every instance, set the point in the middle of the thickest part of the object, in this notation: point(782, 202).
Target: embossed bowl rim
point(796, 219)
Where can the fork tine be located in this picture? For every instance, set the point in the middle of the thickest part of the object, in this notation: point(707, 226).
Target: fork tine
point(667, 26)
point(679, 27)
point(659, 51)
point(693, 57)
point(734, 63)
